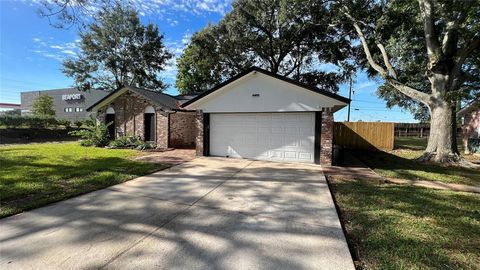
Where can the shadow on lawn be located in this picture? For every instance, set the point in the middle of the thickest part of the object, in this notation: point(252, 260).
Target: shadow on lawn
point(400, 167)
point(408, 227)
point(31, 183)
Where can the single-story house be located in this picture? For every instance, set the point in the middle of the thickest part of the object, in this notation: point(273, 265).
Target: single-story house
point(151, 115)
point(470, 116)
point(256, 114)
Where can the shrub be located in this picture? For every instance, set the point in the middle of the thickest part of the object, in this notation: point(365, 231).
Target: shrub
point(131, 142)
point(142, 145)
point(16, 121)
point(93, 135)
point(65, 123)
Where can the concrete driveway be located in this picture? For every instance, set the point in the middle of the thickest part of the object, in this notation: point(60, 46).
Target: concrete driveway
point(210, 213)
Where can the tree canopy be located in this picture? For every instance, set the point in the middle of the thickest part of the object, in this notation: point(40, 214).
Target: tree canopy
point(395, 30)
point(43, 106)
point(272, 34)
point(427, 53)
point(116, 50)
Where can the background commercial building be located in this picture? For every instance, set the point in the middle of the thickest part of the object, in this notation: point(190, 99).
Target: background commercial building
point(69, 103)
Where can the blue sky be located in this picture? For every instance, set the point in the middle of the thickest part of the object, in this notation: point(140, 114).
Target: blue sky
point(31, 51)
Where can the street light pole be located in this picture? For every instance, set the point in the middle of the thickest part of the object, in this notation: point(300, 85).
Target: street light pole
point(349, 97)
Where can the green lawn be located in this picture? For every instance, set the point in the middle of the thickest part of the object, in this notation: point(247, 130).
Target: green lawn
point(400, 163)
point(407, 227)
point(33, 175)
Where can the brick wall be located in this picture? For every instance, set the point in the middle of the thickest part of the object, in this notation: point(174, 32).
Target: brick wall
point(471, 128)
point(199, 133)
point(162, 129)
point(129, 118)
point(326, 138)
point(182, 130)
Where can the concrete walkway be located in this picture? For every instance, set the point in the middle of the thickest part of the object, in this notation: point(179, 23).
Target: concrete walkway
point(209, 213)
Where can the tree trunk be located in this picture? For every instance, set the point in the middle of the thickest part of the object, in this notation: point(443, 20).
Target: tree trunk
point(441, 143)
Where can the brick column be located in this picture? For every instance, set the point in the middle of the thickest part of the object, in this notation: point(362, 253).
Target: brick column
point(326, 138)
point(199, 133)
point(162, 129)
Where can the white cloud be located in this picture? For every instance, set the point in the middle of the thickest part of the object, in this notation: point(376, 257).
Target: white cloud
point(147, 7)
point(54, 50)
point(364, 85)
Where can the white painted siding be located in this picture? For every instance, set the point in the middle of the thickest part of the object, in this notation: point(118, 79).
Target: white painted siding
point(274, 95)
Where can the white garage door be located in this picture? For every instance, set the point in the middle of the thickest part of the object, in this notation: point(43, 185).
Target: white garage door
point(265, 136)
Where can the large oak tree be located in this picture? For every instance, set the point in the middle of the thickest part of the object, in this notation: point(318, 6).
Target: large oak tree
point(427, 53)
point(117, 50)
point(272, 34)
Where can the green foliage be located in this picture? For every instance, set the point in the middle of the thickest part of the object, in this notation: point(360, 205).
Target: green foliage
point(14, 112)
point(33, 175)
point(43, 106)
point(399, 26)
point(117, 50)
point(64, 122)
point(93, 134)
point(273, 34)
point(15, 121)
point(131, 142)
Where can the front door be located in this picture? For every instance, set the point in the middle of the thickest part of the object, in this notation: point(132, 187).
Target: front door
point(110, 118)
point(149, 120)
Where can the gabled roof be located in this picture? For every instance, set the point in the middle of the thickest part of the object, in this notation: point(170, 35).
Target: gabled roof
point(469, 107)
point(271, 74)
point(166, 101)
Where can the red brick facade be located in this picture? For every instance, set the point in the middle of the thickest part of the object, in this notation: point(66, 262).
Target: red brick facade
point(470, 128)
point(199, 133)
point(129, 121)
point(182, 130)
point(326, 138)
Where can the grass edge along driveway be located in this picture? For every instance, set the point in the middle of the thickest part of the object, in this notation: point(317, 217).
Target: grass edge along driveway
point(33, 175)
point(407, 227)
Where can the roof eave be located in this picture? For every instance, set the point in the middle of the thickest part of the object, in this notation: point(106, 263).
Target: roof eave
point(283, 78)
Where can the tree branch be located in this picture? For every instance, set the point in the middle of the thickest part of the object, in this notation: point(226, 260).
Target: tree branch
point(370, 59)
point(467, 50)
point(406, 90)
point(433, 47)
point(389, 66)
point(449, 43)
point(410, 92)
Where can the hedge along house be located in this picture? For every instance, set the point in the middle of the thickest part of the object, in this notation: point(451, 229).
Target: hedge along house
point(261, 115)
point(150, 115)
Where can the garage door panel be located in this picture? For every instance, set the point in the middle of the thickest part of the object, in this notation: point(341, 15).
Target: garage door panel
point(265, 136)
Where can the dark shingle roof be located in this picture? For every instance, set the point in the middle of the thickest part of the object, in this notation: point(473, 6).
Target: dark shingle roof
point(158, 98)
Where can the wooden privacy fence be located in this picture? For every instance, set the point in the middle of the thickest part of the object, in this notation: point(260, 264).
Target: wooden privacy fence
point(364, 135)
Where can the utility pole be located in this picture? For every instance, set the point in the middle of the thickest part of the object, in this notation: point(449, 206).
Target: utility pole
point(349, 97)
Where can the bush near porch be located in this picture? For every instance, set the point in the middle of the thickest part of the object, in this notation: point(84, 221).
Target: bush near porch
point(33, 175)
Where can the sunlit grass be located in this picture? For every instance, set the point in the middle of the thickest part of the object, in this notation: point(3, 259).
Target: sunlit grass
point(401, 163)
point(407, 227)
point(33, 175)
